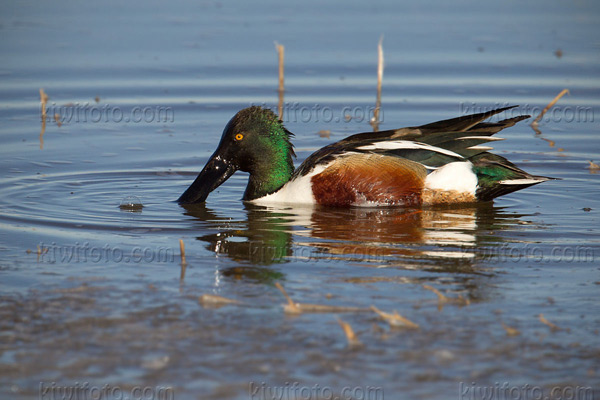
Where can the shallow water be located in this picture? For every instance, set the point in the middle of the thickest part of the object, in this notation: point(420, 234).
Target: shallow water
point(94, 293)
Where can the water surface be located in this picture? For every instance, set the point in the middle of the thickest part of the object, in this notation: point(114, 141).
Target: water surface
point(91, 292)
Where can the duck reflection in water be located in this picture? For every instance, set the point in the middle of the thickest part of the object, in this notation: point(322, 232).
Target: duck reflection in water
point(441, 239)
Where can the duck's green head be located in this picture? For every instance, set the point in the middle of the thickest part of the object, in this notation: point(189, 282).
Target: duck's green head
point(254, 141)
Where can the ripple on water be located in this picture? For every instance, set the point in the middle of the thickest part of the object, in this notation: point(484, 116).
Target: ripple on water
point(94, 200)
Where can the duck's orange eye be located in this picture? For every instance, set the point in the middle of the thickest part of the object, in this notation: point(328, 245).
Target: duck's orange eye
point(239, 137)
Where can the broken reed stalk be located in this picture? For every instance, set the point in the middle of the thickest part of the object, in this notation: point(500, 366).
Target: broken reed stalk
point(543, 320)
point(281, 52)
point(441, 297)
point(43, 101)
point(509, 330)
point(350, 335)
point(375, 119)
point(212, 300)
point(183, 262)
point(293, 307)
point(395, 319)
point(290, 307)
point(549, 106)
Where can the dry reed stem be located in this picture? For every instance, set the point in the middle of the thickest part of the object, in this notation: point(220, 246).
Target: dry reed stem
point(281, 53)
point(40, 251)
point(182, 251)
point(463, 301)
point(296, 308)
point(441, 297)
point(510, 331)
point(395, 319)
point(42, 131)
point(544, 321)
point(375, 119)
point(43, 101)
point(350, 335)
point(290, 307)
point(216, 301)
point(183, 262)
point(534, 126)
point(321, 308)
point(549, 106)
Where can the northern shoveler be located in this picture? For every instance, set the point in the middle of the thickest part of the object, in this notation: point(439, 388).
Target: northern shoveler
point(441, 162)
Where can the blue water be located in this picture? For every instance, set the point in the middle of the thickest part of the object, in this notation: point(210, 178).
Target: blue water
point(92, 293)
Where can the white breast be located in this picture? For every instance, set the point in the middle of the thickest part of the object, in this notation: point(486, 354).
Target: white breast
point(456, 176)
point(297, 191)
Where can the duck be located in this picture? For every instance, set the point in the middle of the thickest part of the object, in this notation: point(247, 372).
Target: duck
point(444, 162)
